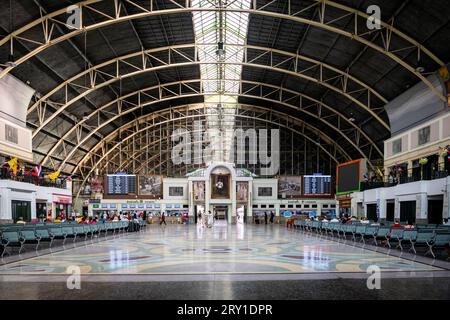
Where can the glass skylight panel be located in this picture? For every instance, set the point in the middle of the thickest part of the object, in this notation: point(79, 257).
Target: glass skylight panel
point(221, 71)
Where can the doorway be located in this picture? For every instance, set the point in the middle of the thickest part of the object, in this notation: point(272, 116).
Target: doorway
point(372, 212)
point(390, 211)
point(408, 212)
point(435, 208)
point(21, 209)
point(220, 213)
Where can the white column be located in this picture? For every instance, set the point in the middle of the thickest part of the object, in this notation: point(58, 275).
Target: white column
point(422, 206)
point(191, 199)
point(397, 208)
point(33, 205)
point(382, 208)
point(446, 209)
point(207, 194)
point(250, 202)
point(5, 205)
point(233, 201)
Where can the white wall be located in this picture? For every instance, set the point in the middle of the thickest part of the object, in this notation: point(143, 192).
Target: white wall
point(13, 190)
point(173, 182)
point(272, 183)
point(416, 191)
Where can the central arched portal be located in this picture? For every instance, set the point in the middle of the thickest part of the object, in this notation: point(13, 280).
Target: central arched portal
point(220, 190)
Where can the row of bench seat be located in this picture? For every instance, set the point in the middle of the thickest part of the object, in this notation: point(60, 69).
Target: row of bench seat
point(430, 237)
point(35, 233)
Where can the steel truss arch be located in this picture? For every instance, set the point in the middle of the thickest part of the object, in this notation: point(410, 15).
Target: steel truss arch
point(49, 38)
point(139, 64)
point(157, 94)
point(165, 116)
point(281, 118)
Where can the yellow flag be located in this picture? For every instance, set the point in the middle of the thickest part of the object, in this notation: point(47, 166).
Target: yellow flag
point(53, 176)
point(13, 165)
point(444, 73)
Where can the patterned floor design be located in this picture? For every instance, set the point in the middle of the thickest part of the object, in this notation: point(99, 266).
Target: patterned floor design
point(180, 249)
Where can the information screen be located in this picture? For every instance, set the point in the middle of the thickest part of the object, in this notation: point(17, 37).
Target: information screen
point(317, 185)
point(348, 177)
point(120, 184)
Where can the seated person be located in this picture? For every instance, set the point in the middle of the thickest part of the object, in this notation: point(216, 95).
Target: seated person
point(396, 225)
point(446, 222)
point(57, 220)
point(345, 218)
point(20, 221)
point(365, 221)
point(334, 220)
point(83, 221)
point(409, 225)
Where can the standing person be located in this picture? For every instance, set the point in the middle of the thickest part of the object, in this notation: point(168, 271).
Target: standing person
point(265, 217)
point(163, 219)
point(272, 215)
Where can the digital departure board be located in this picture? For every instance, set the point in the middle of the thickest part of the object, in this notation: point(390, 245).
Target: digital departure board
point(317, 185)
point(349, 176)
point(120, 184)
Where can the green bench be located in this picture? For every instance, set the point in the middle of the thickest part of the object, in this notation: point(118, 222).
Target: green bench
point(381, 235)
point(441, 240)
point(11, 239)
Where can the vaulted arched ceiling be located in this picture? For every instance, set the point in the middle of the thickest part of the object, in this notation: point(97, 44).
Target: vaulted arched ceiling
point(314, 60)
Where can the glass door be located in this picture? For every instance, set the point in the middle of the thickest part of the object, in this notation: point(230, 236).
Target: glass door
point(21, 209)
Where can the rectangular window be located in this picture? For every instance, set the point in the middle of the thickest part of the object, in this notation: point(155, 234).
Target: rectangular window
point(271, 206)
point(306, 206)
point(176, 191)
point(11, 134)
point(282, 206)
point(255, 206)
point(263, 206)
point(397, 146)
point(424, 135)
point(290, 206)
point(264, 191)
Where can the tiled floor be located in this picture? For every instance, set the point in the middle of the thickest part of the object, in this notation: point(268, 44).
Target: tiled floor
point(227, 262)
point(242, 249)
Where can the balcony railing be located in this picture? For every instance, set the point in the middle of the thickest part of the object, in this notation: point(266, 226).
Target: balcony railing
point(421, 173)
point(5, 174)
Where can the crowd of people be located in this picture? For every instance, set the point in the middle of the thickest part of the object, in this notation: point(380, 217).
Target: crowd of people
point(85, 219)
point(346, 219)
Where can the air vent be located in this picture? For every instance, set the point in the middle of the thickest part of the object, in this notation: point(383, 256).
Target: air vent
point(11, 134)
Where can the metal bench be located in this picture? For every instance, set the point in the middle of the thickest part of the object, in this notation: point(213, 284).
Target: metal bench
point(441, 240)
point(29, 236)
point(11, 239)
point(424, 238)
point(409, 235)
point(381, 235)
point(44, 235)
point(370, 232)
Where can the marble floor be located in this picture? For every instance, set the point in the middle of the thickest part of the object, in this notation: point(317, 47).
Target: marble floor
point(224, 262)
point(223, 249)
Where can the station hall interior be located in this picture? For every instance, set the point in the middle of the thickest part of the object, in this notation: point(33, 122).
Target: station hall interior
point(224, 149)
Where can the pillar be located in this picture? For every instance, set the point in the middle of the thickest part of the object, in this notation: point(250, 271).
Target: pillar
point(422, 208)
point(233, 202)
point(446, 209)
point(397, 209)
